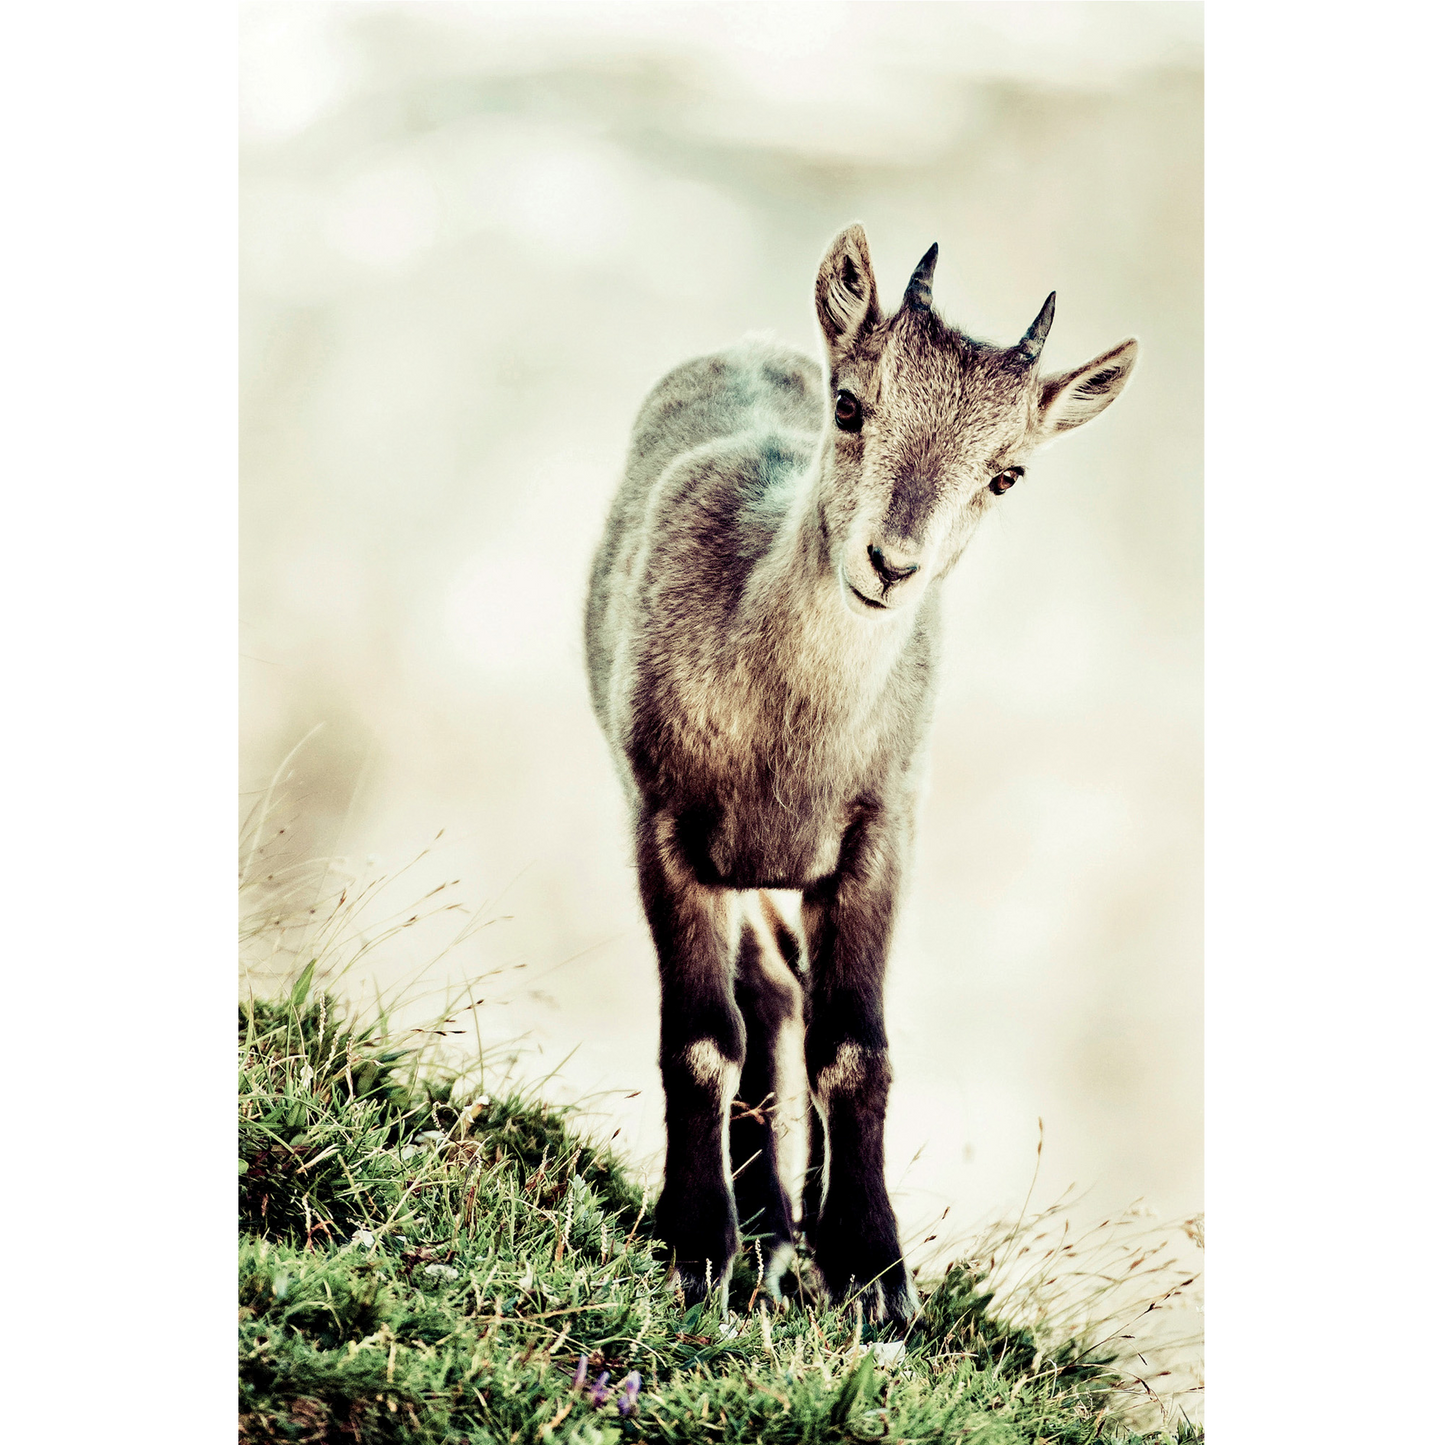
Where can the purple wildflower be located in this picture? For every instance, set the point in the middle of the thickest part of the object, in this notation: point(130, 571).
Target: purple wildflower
point(630, 1386)
point(580, 1378)
point(600, 1392)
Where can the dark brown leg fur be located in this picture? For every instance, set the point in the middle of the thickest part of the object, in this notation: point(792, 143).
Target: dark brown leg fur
point(849, 919)
point(701, 1055)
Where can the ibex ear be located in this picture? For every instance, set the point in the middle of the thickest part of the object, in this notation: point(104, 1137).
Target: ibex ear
point(846, 293)
point(1071, 398)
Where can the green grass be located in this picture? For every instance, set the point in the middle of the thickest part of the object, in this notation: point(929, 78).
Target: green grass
point(422, 1262)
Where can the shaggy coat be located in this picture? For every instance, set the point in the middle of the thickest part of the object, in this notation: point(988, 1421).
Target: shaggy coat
point(762, 637)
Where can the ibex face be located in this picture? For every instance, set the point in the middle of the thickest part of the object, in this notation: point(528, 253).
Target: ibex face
point(929, 428)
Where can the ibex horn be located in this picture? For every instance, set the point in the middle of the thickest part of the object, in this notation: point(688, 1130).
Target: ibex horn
point(1033, 339)
point(919, 294)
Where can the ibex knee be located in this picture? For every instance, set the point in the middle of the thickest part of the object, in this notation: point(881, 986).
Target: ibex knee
point(706, 1065)
point(854, 1072)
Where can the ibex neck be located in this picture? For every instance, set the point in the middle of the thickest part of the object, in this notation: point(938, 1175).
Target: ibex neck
point(795, 605)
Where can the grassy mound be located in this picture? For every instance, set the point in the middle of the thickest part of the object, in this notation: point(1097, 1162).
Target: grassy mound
point(420, 1263)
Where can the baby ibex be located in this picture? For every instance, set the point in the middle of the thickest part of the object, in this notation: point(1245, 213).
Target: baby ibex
point(762, 639)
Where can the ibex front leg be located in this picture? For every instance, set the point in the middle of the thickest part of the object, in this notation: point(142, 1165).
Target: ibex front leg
point(694, 928)
point(849, 920)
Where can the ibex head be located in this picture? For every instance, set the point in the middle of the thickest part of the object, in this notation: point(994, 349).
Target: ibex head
point(928, 428)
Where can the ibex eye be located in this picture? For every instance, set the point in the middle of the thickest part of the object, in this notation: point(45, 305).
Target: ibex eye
point(848, 413)
point(1005, 480)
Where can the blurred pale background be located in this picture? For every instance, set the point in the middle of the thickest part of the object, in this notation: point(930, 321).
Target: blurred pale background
point(472, 237)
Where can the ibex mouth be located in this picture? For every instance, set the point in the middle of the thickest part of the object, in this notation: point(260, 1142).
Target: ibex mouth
point(867, 601)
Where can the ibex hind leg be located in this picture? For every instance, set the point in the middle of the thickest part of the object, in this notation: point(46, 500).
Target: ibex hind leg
point(770, 1000)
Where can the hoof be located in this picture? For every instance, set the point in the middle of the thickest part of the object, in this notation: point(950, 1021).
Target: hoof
point(698, 1283)
point(865, 1265)
point(890, 1301)
point(779, 1261)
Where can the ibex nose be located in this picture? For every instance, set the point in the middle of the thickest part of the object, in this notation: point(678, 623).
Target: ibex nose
point(887, 570)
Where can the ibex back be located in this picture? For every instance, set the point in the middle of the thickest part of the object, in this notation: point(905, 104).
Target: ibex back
point(762, 638)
